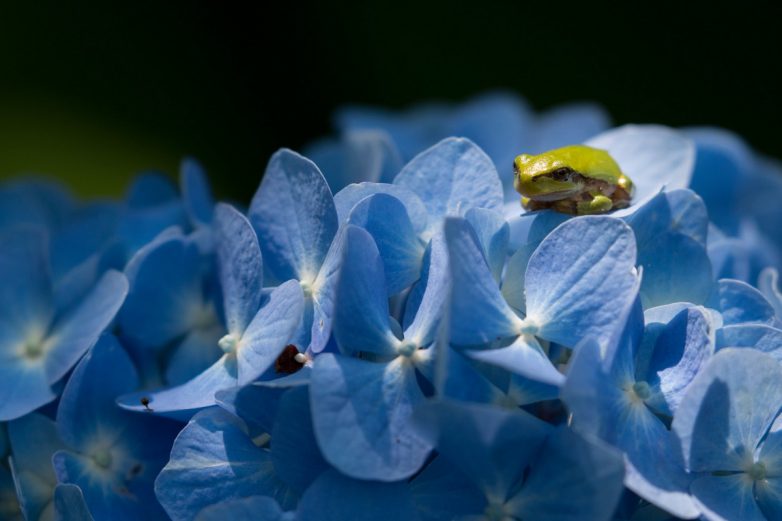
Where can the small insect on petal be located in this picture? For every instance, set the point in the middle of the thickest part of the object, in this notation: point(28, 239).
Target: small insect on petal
point(145, 402)
point(290, 360)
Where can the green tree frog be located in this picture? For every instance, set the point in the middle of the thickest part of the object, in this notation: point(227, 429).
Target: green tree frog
point(575, 179)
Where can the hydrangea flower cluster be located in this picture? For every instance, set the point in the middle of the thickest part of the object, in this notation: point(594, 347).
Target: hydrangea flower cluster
point(385, 334)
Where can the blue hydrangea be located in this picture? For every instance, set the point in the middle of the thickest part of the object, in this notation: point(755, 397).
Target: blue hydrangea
point(385, 334)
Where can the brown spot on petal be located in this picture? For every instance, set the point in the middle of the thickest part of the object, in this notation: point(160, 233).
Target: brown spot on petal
point(286, 362)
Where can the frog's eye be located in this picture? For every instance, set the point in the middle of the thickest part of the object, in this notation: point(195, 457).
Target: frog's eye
point(562, 174)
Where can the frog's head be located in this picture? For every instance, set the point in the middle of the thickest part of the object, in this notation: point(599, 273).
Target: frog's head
point(541, 179)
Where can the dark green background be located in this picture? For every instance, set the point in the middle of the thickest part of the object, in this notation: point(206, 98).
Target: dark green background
point(92, 93)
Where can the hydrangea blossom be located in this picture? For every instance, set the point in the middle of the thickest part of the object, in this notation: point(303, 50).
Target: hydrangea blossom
point(386, 334)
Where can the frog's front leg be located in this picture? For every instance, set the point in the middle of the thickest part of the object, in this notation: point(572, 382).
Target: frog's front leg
point(598, 203)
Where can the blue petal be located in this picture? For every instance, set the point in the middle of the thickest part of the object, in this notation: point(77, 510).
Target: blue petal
point(768, 284)
point(361, 321)
point(69, 504)
point(479, 314)
point(424, 327)
point(688, 214)
point(33, 440)
point(727, 410)
point(182, 401)
point(464, 382)
point(165, 297)
point(243, 402)
point(756, 336)
point(682, 349)
point(138, 227)
point(333, 497)
point(24, 388)
point(294, 214)
point(241, 267)
point(722, 165)
point(386, 219)
point(580, 279)
point(726, 497)
point(523, 357)
point(442, 493)
point(740, 303)
point(466, 178)
point(245, 509)
point(214, 460)
point(589, 474)
point(489, 445)
point(515, 271)
point(270, 331)
point(768, 494)
point(86, 232)
point(77, 331)
point(358, 155)
point(194, 354)
point(361, 412)
point(295, 452)
point(196, 194)
point(324, 294)
point(150, 189)
point(493, 234)
point(654, 157)
point(25, 283)
point(351, 195)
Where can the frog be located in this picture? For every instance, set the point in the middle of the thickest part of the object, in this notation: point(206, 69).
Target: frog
point(574, 179)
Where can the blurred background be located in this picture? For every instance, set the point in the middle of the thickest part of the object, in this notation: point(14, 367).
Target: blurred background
point(92, 94)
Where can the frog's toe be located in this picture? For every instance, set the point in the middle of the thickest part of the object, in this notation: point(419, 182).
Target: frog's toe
point(598, 204)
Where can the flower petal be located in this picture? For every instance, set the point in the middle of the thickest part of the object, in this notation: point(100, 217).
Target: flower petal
point(196, 195)
point(347, 198)
point(253, 507)
point(69, 504)
point(361, 412)
point(721, 498)
point(740, 303)
point(493, 235)
point(293, 212)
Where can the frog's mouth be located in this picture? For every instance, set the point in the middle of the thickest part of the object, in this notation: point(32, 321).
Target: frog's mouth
point(559, 184)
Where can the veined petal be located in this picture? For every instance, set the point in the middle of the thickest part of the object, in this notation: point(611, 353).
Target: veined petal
point(324, 294)
point(493, 235)
point(361, 412)
point(423, 330)
point(740, 303)
point(580, 279)
point(240, 266)
point(523, 357)
point(451, 177)
point(727, 410)
point(69, 504)
point(386, 219)
point(214, 460)
point(361, 321)
point(347, 198)
point(755, 336)
point(722, 498)
point(294, 214)
point(479, 314)
point(25, 388)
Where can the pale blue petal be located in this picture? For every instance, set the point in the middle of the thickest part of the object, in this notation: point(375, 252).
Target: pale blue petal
point(196, 194)
point(240, 266)
point(580, 279)
point(654, 157)
point(182, 401)
point(255, 404)
point(756, 336)
point(361, 320)
point(361, 412)
point(587, 473)
point(270, 331)
point(768, 494)
point(324, 294)
point(688, 214)
point(491, 446)
point(77, 331)
point(479, 314)
point(253, 508)
point(33, 440)
point(727, 410)
point(293, 212)
point(25, 387)
point(740, 303)
point(295, 452)
point(768, 284)
point(681, 350)
point(513, 283)
point(334, 497)
point(493, 235)
point(524, 357)
point(426, 324)
point(465, 178)
point(214, 460)
point(351, 195)
point(724, 498)
point(69, 504)
point(386, 219)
